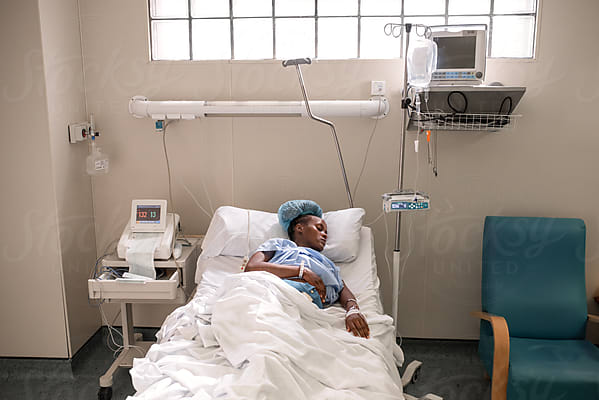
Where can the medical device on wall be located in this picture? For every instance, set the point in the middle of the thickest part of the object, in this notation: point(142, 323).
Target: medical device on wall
point(96, 162)
point(461, 54)
point(149, 221)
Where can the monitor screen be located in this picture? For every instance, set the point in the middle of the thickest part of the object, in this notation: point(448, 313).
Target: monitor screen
point(148, 214)
point(458, 52)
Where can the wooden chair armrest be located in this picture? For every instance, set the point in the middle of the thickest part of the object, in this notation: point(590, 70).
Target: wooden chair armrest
point(593, 318)
point(501, 353)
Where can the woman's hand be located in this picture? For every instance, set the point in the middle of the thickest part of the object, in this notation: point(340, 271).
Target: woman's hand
point(313, 279)
point(356, 324)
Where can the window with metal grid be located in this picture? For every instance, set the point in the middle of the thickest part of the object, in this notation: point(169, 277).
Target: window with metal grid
point(325, 29)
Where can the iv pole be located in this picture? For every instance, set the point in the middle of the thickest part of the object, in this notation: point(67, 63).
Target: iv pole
point(390, 29)
point(402, 138)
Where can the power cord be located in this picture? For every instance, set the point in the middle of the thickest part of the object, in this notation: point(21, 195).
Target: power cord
point(168, 166)
point(176, 229)
point(376, 121)
point(453, 108)
point(110, 339)
point(504, 119)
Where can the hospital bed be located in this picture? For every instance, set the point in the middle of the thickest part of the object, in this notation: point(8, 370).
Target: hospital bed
point(252, 336)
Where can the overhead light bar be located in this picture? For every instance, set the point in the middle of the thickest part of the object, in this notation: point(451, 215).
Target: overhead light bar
point(141, 107)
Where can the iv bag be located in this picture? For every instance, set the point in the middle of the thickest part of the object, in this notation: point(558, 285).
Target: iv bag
point(422, 61)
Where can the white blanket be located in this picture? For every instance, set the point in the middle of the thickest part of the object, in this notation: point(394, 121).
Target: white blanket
point(256, 337)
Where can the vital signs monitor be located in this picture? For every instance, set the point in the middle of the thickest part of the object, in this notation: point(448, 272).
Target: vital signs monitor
point(461, 55)
point(149, 216)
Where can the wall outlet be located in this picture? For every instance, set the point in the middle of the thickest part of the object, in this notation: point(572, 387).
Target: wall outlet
point(377, 88)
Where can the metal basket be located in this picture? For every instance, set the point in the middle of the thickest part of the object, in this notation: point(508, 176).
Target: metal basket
point(463, 122)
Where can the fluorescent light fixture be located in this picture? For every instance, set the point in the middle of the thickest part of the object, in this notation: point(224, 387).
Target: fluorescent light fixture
point(141, 107)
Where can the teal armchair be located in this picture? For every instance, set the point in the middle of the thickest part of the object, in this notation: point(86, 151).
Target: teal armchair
point(534, 310)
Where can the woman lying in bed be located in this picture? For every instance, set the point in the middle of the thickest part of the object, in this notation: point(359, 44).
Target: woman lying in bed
point(299, 262)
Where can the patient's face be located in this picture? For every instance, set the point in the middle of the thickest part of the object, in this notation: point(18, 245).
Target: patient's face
point(312, 233)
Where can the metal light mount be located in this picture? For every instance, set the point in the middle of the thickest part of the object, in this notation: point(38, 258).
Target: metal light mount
point(297, 62)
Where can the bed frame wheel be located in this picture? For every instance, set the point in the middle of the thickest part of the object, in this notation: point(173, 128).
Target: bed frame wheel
point(105, 393)
point(411, 373)
point(416, 375)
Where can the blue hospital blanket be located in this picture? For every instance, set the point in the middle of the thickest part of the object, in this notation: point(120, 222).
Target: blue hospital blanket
point(289, 253)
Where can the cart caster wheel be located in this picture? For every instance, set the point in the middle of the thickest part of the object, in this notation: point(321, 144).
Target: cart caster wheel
point(416, 375)
point(105, 393)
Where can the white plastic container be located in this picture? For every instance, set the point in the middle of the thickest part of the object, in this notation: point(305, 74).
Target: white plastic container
point(422, 60)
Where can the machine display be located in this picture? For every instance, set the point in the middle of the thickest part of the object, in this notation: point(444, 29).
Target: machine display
point(461, 55)
point(406, 200)
point(148, 214)
point(149, 221)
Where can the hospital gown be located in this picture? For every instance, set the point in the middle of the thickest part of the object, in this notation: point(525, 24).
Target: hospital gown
point(289, 253)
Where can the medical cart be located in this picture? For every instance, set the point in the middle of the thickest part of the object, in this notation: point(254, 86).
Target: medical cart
point(175, 287)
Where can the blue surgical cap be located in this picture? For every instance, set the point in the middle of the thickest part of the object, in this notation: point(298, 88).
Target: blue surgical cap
point(294, 208)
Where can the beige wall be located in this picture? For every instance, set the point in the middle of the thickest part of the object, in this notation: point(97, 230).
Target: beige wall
point(31, 301)
point(47, 239)
point(66, 104)
point(535, 169)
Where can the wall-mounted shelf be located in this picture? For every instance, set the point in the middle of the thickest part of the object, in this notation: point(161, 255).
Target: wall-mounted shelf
point(463, 122)
point(465, 108)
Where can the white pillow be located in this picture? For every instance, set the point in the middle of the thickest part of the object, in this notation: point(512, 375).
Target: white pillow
point(343, 229)
point(227, 234)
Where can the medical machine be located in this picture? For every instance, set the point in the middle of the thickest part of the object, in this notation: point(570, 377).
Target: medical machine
point(406, 200)
point(461, 54)
point(150, 216)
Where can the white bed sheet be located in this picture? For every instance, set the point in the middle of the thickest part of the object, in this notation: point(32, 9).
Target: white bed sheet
point(251, 336)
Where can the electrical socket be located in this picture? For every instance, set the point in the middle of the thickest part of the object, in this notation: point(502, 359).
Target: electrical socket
point(377, 88)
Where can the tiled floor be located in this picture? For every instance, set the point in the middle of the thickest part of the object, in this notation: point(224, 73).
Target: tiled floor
point(451, 369)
